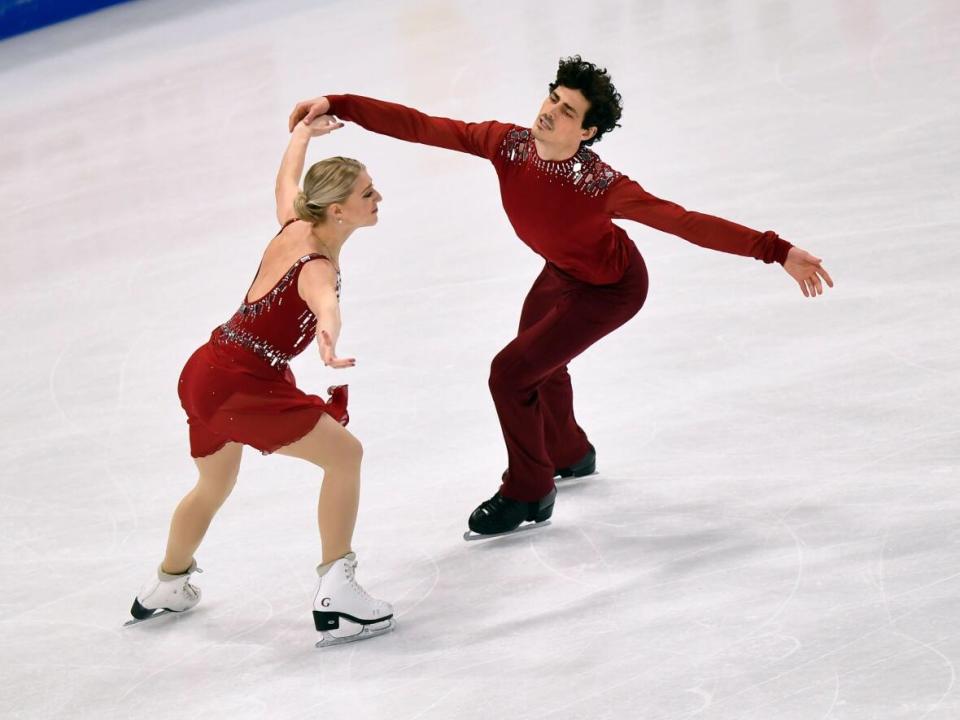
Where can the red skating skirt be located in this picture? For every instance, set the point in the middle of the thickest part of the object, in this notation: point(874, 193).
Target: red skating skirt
point(232, 395)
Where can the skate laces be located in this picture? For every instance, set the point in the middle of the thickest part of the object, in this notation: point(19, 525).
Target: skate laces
point(488, 506)
point(350, 569)
point(189, 589)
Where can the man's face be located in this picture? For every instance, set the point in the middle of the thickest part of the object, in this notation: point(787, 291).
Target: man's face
point(560, 118)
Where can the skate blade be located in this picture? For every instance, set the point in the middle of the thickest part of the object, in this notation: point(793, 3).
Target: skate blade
point(570, 479)
point(366, 632)
point(158, 613)
point(471, 536)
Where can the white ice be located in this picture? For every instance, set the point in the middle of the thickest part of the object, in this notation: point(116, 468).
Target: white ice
point(774, 531)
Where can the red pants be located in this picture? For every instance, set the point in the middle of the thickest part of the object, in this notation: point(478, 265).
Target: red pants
point(561, 317)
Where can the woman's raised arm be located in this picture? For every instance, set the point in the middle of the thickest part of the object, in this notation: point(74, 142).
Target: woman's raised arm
point(291, 167)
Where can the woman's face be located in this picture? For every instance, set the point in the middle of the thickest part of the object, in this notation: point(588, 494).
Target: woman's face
point(360, 208)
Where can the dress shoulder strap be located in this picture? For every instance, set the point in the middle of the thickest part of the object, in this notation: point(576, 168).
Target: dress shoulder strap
point(286, 224)
point(320, 256)
point(314, 256)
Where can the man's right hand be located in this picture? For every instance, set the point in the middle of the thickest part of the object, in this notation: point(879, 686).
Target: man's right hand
point(307, 110)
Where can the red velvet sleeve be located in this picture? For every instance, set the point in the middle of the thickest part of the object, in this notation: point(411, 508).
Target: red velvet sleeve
point(405, 123)
point(627, 200)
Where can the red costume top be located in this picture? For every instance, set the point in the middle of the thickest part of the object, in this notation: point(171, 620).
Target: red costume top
point(238, 387)
point(275, 332)
point(564, 209)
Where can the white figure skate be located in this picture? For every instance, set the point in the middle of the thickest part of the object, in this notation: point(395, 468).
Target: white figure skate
point(343, 612)
point(164, 594)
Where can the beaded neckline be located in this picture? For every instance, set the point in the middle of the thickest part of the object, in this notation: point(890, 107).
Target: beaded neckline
point(585, 171)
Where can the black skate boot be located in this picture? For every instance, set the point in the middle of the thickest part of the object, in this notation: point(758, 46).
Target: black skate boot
point(587, 465)
point(501, 515)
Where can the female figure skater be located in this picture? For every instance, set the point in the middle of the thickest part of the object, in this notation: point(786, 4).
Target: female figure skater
point(238, 390)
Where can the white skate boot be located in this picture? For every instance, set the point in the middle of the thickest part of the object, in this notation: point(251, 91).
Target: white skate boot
point(343, 611)
point(165, 593)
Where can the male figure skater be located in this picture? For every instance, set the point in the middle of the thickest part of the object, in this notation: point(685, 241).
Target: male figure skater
point(561, 200)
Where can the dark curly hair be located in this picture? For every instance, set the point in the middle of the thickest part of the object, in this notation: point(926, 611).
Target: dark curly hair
point(597, 87)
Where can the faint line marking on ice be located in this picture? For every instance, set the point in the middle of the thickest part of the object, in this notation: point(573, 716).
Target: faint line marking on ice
point(707, 697)
point(778, 75)
point(880, 573)
point(878, 46)
point(196, 651)
point(950, 667)
point(563, 575)
point(93, 440)
point(833, 651)
point(432, 705)
point(35, 608)
point(798, 546)
point(909, 363)
point(881, 584)
point(124, 363)
point(600, 555)
point(839, 648)
point(295, 573)
point(878, 459)
point(836, 697)
point(257, 626)
point(426, 289)
point(433, 586)
point(436, 581)
point(876, 230)
point(805, 688)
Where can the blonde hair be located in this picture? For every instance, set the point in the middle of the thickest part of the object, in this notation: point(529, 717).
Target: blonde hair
point(326, 182)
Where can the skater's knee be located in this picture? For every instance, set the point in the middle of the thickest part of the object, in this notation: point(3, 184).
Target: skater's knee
point(352, 449)
point(501, 373)
point(329, 446)
point(508, 373)
point(213, 490)
point(346, 453)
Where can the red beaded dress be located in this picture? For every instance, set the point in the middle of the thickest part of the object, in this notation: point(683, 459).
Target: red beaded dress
point(238, 387)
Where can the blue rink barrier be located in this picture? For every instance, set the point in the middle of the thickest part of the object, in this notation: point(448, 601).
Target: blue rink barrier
point(20, 16)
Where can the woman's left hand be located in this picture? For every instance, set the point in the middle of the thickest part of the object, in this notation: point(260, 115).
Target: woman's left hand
point(329, 353)
point(807, 271)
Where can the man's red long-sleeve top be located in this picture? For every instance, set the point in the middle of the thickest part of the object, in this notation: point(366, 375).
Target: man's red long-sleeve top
point(563, 209)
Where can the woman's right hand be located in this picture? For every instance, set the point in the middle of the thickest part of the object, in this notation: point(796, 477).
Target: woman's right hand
point(307, 110)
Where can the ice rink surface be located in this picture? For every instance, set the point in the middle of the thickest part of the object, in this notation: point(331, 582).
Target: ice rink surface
point(773, 534)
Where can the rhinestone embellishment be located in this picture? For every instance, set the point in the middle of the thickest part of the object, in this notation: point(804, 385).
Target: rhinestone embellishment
point(234, 331)
point(243, 338)
point(585, 171)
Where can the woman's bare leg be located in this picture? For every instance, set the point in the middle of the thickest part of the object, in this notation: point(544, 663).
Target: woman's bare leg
point(334, 448)
point(218, 475)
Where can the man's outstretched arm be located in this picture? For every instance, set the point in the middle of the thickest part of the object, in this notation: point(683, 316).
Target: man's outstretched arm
point(386, 118)
point(629, 201)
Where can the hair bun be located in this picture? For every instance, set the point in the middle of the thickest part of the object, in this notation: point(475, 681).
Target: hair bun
point(326, 182)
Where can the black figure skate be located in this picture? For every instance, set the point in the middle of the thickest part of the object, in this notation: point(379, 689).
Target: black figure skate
point(503, 516)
